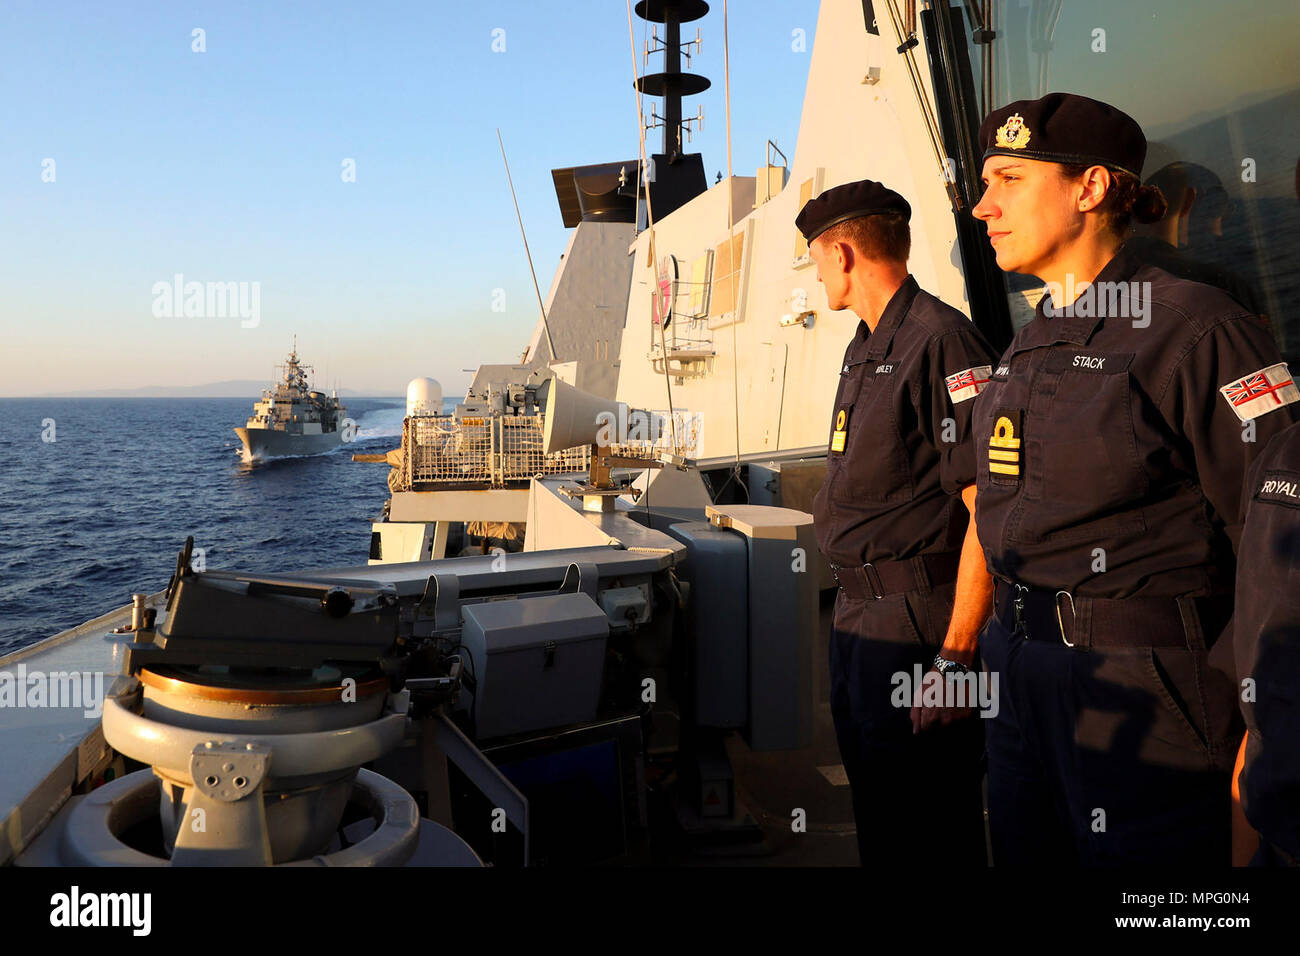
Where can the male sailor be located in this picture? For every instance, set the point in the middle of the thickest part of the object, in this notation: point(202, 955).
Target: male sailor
point(894, 519)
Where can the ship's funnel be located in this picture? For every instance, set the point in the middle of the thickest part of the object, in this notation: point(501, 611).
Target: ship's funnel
point(574, 417)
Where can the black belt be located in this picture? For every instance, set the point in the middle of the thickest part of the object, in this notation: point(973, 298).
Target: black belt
point(1059, 616)
point(878, 579)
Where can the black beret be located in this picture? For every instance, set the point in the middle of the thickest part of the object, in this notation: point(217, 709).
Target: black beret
point(850, 201)
point(1065, 128)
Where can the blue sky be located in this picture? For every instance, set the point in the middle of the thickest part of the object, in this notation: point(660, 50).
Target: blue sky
point(226, 165)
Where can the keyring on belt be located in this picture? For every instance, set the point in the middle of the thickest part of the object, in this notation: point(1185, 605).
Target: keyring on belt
point(1018, 609)
point(873, 578)
point(1059, 623)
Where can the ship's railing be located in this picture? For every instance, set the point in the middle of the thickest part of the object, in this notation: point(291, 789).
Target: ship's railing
point(521, 450)
point(485, 452)
point(441, 451)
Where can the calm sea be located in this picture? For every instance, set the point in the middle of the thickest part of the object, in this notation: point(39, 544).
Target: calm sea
point(101, 511)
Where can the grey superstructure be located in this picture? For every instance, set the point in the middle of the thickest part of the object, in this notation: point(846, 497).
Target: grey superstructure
point(292, 418)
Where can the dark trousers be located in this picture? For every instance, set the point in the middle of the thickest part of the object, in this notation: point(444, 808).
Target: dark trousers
point(1102, 757)
point(916, 798)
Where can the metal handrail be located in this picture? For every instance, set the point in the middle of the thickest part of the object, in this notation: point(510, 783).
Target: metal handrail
point(480, 452)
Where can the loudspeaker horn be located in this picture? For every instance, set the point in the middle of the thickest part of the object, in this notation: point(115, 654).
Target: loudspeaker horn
point(574, 417)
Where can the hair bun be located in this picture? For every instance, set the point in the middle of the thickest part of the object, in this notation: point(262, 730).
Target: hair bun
point(1149, 205)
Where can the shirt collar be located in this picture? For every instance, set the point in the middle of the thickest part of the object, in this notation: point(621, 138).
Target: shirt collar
point(1077, 329)
point(899, 303)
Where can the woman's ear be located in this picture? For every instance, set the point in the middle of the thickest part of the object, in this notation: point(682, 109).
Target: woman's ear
point(1096, 180)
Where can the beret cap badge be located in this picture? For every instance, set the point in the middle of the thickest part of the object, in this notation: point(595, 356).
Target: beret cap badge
point(1013, 134)
point(1068, 129)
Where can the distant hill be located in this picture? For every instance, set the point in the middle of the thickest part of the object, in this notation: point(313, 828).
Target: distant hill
point(246, 388)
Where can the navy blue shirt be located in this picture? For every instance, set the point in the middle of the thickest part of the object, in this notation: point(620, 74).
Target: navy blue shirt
point(900, 450)
point(1114, 438)
point(1266, 636)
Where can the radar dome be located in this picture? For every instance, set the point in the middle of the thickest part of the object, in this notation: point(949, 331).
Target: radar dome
point(423, 397)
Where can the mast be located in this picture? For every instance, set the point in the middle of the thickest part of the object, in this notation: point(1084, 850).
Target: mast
point(611, 192)
point(672, 84)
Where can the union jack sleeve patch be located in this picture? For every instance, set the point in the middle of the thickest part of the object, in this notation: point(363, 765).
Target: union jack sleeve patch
point(1261, 392)
point(968, 383)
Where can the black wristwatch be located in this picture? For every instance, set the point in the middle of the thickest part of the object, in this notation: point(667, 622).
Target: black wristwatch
point(945, 666)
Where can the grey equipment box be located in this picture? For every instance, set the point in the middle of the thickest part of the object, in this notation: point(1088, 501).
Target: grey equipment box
point(718, 572)
point(783, 605)
point(754, 606)
point(537, 662)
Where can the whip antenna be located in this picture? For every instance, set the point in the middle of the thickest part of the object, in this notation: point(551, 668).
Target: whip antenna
point(542, 305)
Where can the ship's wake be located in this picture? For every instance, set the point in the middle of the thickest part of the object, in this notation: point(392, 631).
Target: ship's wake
point(381, 423)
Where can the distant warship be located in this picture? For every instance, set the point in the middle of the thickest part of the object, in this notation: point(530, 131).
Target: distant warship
point(291, 418)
